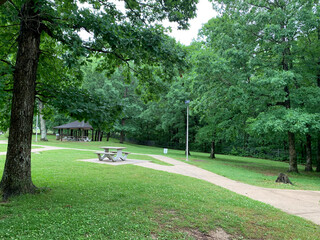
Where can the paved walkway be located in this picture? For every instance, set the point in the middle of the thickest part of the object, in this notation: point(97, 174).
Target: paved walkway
point(46, 148)
point(305, 204)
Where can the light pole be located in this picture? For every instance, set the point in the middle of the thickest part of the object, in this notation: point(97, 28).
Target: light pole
point(187, 134)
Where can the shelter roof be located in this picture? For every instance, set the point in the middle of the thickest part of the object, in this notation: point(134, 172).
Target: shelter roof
point(75, 125)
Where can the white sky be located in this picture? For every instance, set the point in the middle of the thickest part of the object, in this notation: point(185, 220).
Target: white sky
point(204, 13)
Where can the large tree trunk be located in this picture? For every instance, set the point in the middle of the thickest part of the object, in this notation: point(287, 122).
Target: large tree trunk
point(308, 167)
point(43, 128)
point(16, 177)
point(213, 150)
point(293, 166)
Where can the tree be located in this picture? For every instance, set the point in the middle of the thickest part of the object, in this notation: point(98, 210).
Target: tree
point(221, 81)
point(124, 37)
point(273, 28)
point(117, 87)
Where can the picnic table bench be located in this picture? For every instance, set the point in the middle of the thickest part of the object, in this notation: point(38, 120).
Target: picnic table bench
point(114, 155)
point(103, 155)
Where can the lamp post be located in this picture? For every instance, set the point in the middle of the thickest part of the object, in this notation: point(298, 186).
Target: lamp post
point(187, 133)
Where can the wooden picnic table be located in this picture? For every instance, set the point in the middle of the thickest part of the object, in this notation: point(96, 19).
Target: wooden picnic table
point(111, 155)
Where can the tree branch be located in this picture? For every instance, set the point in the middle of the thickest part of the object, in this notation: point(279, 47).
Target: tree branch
point(41, 99)
point(3, 74)
point(135, 13)
point(5, 61)
point(260, 6)
point(46, 30)
point(11, 25)
point(108, 52)
point(38, 95)
point(15, 7)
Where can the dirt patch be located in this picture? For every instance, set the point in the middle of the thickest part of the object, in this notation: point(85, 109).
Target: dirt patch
point(218, 234)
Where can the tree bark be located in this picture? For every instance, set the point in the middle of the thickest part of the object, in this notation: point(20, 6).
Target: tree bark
point(101, 137)
point(308, 167)
point(303, 150)
point(293, 166)
point(43, 128)
point(16, 177)
point(213, 150)
point(122, 134)
point(95, 135)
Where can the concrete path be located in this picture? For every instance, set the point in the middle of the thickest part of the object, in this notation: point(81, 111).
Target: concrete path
point(46, 148)
point(305, 204)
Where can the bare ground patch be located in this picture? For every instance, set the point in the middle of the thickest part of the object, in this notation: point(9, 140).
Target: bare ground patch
point(218, 234)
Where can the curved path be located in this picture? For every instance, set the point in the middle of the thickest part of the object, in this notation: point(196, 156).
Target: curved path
point(305, 204)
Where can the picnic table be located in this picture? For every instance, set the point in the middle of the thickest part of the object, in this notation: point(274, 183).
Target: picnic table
point(112, 155)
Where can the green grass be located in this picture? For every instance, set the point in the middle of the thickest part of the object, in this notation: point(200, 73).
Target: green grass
point(2, 137)
point(149, 158)
point(98, 201)
point(3, 147)
point(133, 148)
point(259, 172)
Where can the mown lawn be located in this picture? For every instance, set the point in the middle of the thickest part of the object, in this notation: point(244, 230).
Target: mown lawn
point(259, 172)
point(97, 201)
point(3, 147)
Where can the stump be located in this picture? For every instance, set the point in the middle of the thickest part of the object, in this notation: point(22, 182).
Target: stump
point(283, 178)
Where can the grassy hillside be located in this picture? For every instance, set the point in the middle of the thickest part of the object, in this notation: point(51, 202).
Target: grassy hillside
point(84, 200)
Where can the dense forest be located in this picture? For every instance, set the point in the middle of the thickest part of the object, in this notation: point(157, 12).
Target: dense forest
point(252, 76)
